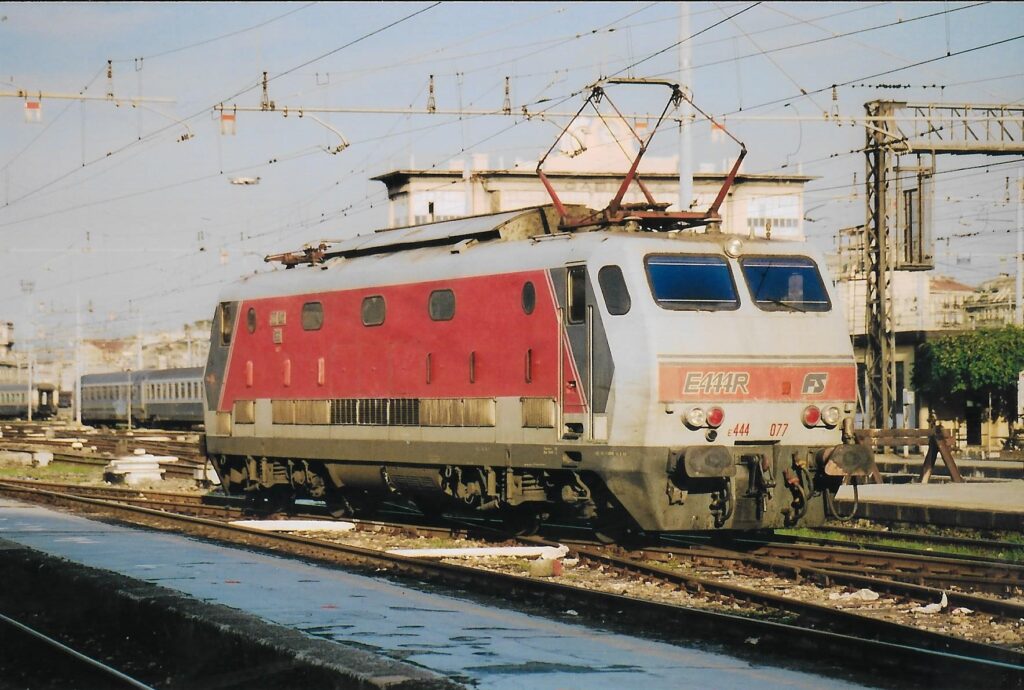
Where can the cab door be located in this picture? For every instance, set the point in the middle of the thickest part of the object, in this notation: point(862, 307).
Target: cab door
point(577, 345)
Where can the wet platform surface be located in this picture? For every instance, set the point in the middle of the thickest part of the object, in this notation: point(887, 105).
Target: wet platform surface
point(476, 644)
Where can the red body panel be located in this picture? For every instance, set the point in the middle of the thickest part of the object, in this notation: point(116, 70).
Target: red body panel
point(779, 383)
point(390, 360)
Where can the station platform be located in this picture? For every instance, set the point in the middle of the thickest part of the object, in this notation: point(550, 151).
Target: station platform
point(996, 505)
point(461, 640)
point(971, 469)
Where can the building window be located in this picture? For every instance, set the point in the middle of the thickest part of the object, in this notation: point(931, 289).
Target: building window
point(373, 310)
point(441, 305)
point(312, 316)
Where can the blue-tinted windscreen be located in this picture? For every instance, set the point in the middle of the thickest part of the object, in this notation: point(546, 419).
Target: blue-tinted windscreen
point(785, 283)
point(692, 282)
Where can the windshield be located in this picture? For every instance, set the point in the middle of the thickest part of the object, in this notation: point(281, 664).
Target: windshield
point(691, 282)
point(785, 283)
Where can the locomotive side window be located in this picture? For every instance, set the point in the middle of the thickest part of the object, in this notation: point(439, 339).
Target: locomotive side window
point(312, 316)
point(785, 283)
point(529, 297)
point(613, 285)
point(441, 305)
point(373, 310)
point(250, 320)
point(227, 322)
point(577, 292)
point(692, 282)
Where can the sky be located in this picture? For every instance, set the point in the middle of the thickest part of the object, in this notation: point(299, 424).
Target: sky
point(124, 218)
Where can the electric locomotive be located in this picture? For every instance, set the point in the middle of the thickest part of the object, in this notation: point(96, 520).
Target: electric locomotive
point(614, 367)
point(621, 376)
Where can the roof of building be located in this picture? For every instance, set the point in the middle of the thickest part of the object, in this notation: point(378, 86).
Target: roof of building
point(947, 284)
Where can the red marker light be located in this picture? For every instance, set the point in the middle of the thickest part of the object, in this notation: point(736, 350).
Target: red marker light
point(716, 415)
point(812, 415)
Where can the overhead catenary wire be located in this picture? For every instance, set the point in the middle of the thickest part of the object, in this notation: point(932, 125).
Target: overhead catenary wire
point(206, 110)
point(379, 196)
point(214, 39)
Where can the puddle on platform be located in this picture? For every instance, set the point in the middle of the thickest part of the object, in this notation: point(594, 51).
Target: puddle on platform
point(533, 667)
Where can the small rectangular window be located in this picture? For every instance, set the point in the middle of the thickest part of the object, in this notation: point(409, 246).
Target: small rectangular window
point(577, 294)
point(373, 310)
point(682, 281)
point(613, 285)
point(312, 316)
point(441, 305)
point(227, 322)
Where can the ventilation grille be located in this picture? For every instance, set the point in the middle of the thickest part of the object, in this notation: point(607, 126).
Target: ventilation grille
point(455, 412)
point(376, 411)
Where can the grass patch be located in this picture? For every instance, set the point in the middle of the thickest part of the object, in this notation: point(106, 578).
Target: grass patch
point(1011, 554)
point(54, 472)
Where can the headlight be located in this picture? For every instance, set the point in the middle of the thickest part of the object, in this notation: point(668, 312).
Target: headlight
point(715, 417)
point(695, 418)
point(811, 416)
point(830, 415)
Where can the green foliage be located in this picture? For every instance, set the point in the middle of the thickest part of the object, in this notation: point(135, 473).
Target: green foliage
point(976, 365)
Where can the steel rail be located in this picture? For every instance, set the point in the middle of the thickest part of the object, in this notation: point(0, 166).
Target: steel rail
point(843, 621)
point(94, 664)
point(804, 570)
point(994, 575)
point(907, 652)
point(948, 540)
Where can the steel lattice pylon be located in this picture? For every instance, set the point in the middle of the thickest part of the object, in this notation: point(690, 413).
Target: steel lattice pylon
point(895, 128)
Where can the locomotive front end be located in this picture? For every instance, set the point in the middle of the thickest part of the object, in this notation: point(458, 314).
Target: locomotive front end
point(754, 389)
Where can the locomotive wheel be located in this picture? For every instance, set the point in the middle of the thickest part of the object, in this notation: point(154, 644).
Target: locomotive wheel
point(522, 521)
point(267, 502)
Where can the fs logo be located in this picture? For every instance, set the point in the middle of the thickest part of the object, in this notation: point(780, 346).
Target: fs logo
point(814, 383)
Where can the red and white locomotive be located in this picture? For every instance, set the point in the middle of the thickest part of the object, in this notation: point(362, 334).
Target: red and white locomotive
point(667, 382)
point(549, 362)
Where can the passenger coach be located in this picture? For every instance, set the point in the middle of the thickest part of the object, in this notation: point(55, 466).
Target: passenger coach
point(14, 398)
point(154, 396)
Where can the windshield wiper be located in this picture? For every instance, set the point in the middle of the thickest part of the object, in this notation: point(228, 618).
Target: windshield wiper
point(787, 305)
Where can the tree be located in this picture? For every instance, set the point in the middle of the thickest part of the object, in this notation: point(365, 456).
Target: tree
point(976, 364)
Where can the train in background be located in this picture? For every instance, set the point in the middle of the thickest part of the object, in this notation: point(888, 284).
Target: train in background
point(155, 397)
point(14, 400)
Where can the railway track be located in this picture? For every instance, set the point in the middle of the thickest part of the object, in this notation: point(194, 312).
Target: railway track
point(93, 447)
point(74, 666)
point(916, 568)
point(917, 540)
point(783, 624)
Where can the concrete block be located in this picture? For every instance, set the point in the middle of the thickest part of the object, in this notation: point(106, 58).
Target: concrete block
point(42, 458)
point(15, 457)
point(546, 567)
point(135, 469)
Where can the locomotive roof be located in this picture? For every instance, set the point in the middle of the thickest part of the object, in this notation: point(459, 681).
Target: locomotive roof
point(507, 242)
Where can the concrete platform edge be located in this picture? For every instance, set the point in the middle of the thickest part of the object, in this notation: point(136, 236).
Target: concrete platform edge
point(333, 664)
